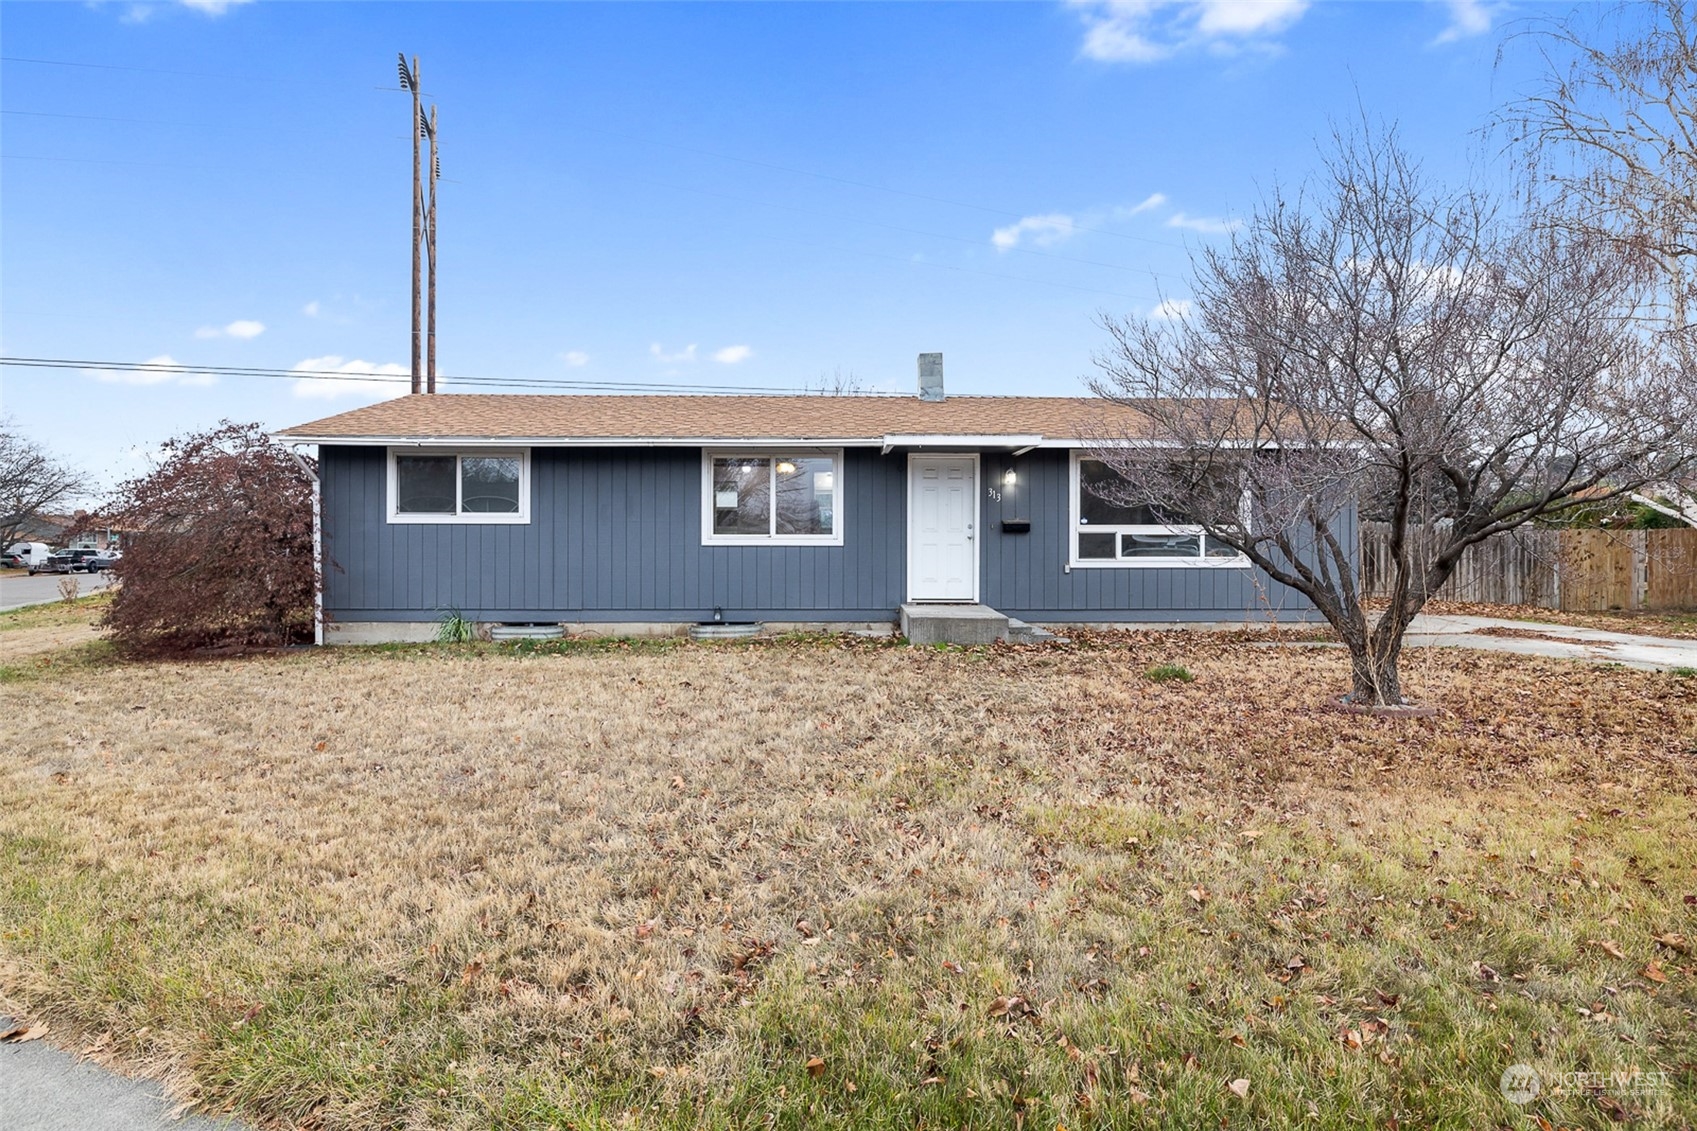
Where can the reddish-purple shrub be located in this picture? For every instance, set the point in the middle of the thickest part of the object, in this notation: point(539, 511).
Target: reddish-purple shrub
point(220, 550)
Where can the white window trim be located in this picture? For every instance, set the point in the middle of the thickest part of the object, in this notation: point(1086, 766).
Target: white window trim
point(838, 521)
point(1074, 527)
point(475, 518)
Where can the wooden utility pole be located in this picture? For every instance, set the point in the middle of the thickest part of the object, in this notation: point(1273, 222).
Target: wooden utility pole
point(435, 171)
point(409, 81)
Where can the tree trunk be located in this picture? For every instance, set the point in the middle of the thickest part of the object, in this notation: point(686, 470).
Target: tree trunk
point(1375, 682)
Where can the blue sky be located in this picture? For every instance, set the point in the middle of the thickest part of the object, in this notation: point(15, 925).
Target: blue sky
point(713, 194)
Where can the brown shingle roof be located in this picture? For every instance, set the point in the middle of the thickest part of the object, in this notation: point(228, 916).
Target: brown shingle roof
point(448, 416)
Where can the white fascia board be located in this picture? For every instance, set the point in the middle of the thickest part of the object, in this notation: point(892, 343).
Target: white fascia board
point(951, 440)
point(587, 441)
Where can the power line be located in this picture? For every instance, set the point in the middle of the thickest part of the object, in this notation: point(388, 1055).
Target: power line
point(116, 67)
point(838, 218)
point(753, 162)
point(372, 376)
point(858, 184)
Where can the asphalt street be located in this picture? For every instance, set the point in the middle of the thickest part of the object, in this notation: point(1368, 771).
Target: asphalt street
point(18, 589)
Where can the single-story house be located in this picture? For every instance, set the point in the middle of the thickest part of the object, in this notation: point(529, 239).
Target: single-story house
point(639, 513)
point(53, 529)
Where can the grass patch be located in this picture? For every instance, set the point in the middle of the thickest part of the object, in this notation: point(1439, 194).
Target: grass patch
point(58, 614)
point(1167, 673)
point(836, 883)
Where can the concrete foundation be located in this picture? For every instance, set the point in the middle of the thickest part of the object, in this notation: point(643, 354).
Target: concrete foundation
point(380, 631)
point(423, 632)
point(952, 624)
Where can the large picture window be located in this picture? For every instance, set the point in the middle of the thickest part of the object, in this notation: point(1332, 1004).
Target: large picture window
point(441, 486)
point(1107, 534)
point(773, 497)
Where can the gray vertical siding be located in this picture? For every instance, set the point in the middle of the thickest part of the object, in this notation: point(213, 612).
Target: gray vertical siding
point(1025, 575)
point(615, 535)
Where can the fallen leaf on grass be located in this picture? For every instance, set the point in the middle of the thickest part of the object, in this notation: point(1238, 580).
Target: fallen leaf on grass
point(1239, 1088)
point(1653, 971)
point(1608, 947)
point(816, 1066)
point(1199, 894)
point(21, 1032)
point(1674, 941)
point(954, 967)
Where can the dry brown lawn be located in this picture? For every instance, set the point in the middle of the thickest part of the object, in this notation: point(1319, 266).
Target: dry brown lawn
point(815, 884)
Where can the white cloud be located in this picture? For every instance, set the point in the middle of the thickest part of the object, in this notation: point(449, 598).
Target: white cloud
point(730, 355)
point(1147, 31)
point(687, 354)
point(1213, 226)
point(366, 379)
point(310, 309)
point(1172, 309)
point(1045, 230)
point(1153, 200)
point(213, 7)
point(168, 373)
point(575, 359)
point(1468, 18)
point(244, 328)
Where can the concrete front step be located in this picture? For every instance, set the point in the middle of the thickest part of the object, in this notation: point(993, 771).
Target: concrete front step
point(1022, 633)
point(952, 624)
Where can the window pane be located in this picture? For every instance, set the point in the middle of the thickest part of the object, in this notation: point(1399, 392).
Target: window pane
point(424, 484)
point(1160, 545)
point(742, 496)
point(1220, 550)
point(489, 484)
point(807, 495)
point(1094, 511)
point(1095, 547)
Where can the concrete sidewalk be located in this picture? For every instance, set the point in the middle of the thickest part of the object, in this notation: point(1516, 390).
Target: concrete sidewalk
point(1558, 641)
point(43, 1088)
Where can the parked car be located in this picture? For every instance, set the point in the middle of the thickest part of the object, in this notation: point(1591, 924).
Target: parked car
point(70, 561)
point(27, 555)
point(104, 560)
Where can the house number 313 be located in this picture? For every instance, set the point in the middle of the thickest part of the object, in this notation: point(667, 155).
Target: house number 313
point(995, 495)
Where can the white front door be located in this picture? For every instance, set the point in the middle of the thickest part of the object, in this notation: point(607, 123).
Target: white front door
point(942, 528)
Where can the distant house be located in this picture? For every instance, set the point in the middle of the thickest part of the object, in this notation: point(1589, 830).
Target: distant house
point(621, 514)
point(73, 530)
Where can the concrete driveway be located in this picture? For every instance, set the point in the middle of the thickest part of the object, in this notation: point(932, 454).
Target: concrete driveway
point(43, 1088)
point(19, 590)
point(1534, 638)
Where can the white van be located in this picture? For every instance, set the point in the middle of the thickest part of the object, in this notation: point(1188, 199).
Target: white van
point(30, 555)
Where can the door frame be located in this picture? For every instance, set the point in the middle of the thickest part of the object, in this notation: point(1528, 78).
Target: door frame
point(977, 525)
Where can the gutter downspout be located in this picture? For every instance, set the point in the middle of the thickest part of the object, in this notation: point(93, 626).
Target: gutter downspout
point(317, 547)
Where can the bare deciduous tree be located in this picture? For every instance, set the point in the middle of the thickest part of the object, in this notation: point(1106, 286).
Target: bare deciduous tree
point(1376, 337)
point(32, 480)
point(1613, 127)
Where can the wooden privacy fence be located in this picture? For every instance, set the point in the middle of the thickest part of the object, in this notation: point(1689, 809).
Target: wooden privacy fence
point(1576, 570)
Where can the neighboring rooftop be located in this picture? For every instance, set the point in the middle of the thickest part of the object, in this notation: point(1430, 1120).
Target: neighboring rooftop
point(678, 419)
